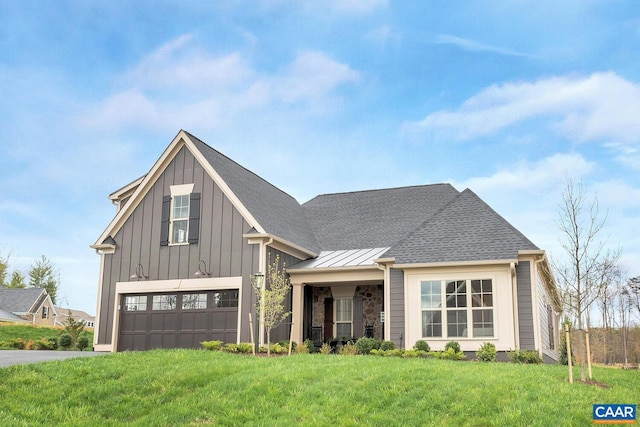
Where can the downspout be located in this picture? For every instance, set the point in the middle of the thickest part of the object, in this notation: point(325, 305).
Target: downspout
point(516, 324)
point(262, 266)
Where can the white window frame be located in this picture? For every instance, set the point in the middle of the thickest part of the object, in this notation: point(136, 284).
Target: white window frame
point(342, 322)
point(183, 190)
point(469, 309)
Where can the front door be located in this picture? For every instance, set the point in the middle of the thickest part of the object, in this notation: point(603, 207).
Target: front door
point(328, 319)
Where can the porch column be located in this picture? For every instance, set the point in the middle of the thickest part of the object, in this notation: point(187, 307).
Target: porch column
point(296, 312)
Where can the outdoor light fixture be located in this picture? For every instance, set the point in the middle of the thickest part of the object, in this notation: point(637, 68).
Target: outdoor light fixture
point(202, 272)
point(139, 274)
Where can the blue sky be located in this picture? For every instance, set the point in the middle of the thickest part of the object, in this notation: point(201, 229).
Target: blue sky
point(507, 98)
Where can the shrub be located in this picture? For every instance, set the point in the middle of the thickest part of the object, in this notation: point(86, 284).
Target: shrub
point(211, 345)
point(301, 348)
point(349, 349)
point(411, 353)
point(564, 360)
point(245, 347)
point(387, 345)
point(17, 343)
point(52, 343)
point(83, 342)
point(325, 348)
point(422, 345)
point(524, 356)
point(66, 341)
point(278, 348)
point(487, 352)
point(364, 345)
point(451, 354)
point(388, 353)
point(311, 348)
point(454, 345)
point(230, 347)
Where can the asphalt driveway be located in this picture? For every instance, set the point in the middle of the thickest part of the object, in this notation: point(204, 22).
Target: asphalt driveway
point(17, 357)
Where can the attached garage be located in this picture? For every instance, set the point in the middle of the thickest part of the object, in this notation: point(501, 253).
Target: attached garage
point(177, 319)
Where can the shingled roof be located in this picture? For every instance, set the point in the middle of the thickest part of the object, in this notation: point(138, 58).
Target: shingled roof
point(276, 211)
point(465, 229)
point(21, 300)
point(375, 218)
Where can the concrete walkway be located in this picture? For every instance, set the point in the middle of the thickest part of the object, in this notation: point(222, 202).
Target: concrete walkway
point(18, 357)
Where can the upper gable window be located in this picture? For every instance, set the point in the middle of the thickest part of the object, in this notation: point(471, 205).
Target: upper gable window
point(180, 216)
point(179, 219)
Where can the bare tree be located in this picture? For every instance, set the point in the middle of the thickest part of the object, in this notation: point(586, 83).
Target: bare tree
point(270, 305)
point(587, 265)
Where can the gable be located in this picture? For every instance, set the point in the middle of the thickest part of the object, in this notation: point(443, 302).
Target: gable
point(466, 229)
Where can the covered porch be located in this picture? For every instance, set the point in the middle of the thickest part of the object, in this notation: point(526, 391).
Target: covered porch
point(339, 296)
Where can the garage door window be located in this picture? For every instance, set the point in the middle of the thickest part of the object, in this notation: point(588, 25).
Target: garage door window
point(194, 301)
point(225, 299)
point(135, 303)
point(164, 302)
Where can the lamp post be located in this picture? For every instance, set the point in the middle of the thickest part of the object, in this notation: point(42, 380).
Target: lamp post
point(259, 279)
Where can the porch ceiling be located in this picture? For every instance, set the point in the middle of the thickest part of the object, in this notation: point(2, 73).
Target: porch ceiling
point(342, 258)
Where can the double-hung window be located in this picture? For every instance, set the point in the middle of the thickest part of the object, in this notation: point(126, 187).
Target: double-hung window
point(344, 318)
point(457, 308)
point(180, 216)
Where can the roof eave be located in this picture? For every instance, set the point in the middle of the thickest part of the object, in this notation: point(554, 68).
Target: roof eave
point(455, 263)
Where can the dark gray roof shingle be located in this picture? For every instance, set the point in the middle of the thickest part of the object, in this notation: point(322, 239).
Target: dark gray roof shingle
point(466, 229)
point(375, 218)
point(276, 211)
point(19, 300)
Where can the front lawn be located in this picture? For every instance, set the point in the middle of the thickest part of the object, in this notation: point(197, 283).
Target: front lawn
point(195, 387)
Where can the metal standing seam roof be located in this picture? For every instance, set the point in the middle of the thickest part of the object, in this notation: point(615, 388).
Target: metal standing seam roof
point(276, 211)
point(343, 258)
point(7, 316)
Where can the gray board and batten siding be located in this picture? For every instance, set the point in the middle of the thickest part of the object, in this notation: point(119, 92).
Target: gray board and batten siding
point(396, 300)
point(525, 306)
point(221, 243)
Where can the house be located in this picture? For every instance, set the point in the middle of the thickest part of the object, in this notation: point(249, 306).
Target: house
point(33, 305)
point(8, 317)
point(77, 315)
point(401, 264)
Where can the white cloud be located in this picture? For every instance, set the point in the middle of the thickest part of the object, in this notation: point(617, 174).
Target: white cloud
point(336, 7)
point(475, 46)
point(600, 107)
point(182, 86)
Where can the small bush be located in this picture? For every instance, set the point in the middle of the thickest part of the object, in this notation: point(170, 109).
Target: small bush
point(311, 348)
point(349, 349)
point(364, 345)
point(325, 348)
point(524, 356)
point(230, 347)
point(564, 360)
point(66, 341)
point(83, 342)
point(211, 345)
point(387, 345)
point(454, 345)
point(52, 343)
point(17, 343)
point(451, 354)
point(487, 352)
point(278, 348)
point(410, 353)
point(422, 345)
point(301, 348)
point(245, 348)
point(387, 353)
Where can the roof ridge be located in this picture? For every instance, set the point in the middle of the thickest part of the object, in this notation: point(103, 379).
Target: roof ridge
point(383, 189)
point(239, 165)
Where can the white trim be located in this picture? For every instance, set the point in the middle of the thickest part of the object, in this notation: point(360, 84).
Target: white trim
point(456, 264)
point(280, 244)
point(181, 190)
point(178, 285)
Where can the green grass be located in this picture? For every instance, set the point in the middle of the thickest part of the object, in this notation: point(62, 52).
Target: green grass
point(33, 332)
point(195, 387)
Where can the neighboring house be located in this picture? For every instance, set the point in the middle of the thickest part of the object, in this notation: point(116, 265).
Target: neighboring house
point(77, 315)
point(7, 316)
point(31, 304)
point(401, 264)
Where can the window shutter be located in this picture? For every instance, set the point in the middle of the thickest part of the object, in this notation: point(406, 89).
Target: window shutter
point(194, 217)
point(358, 326)
point(164, 228)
